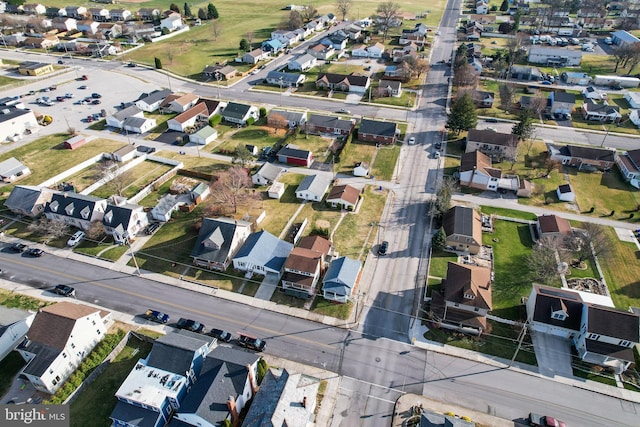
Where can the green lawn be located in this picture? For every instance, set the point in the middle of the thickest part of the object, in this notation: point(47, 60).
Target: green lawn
point(134, 180)
point(605, 192)
point(328, 308)
point(512, 279)
point(280, 211)
point(385, 162)
point(260, 136)
point(621, 270)
point(23, 302)
point(9, 368)
point(316, 214)
point(439, 262)
point(94, 405)
point(354, 152)
point(489, 210)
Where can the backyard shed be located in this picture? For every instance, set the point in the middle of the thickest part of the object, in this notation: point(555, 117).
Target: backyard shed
point(75, 142)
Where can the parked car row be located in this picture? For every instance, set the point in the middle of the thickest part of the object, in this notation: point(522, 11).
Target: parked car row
point(22, 248)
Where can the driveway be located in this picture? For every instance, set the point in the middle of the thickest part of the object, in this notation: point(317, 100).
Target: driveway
point(553, 354)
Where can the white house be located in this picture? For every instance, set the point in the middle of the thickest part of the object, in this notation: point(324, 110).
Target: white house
point(303, 63)
point(240, 113)
point(188, 118)
point(361, 169)
point(375, 50)
point(14, 324)
point(565, 193)
point(150, 102)
point(204, 135)
point(313, 188)
point(633, 98)
point(267, 174)
point(124, 222)
point(59, 339)
point(262, 253)
point(139, 124)
point(74, 209)
point(14, 122)
point(276, 190)
point(172, 21)
point(13, 169)
point(558, 56)
point(590, 92)
point(117, 119)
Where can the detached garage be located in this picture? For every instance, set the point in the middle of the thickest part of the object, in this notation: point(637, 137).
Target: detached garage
point(293, 155)
point(204, 136)
point(75, 142)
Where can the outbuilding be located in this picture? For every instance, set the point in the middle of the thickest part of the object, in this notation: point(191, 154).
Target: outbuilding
point(75, 142)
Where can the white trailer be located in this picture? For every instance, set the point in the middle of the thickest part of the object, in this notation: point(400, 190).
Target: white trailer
point(628, 82)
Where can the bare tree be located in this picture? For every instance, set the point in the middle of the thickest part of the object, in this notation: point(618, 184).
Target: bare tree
point(507, 95)
point(542, 261)
point(278, 121)
point(250, 35)
point(550, 165)
point(466, 75)
point(117, 178)
point(537, 105)
point(95, 231)
point(232, 187)
point(589, 242)
point(241, 155)
point(343, 7)
point(216, 28)
point(387, 14)
point(49, 229)
point(308, 13)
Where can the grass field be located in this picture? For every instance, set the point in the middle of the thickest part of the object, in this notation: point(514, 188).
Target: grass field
point(386, 160)
point(621, 269)
point(279, 211)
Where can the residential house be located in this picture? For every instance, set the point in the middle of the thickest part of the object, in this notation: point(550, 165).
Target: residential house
point(188, 118)
point(226, 384)
point(27, 200)
point(553, 227)
point(117, 119)
point(254, 56)
point(15, 39)
point(150, 102)
point(77, 12)
point(218, 241)
point(633, 98)
point(219, 72)
point(240, 114)
point(341, 279)
point(601, 334)
point(179, 103)
point(378, 131)
point(483, 99)
point(156, 387)
point(476, 171)
point(465, 298)
point(390, 88)
point(34, 9)
point(13, 169)
point(482, 7)
point(64, 24)
point(338, 40)
point(292, 155)
point(284, 399)
point(267, 174)
point(14, 122)
point(345, 83)
point(122, 154)
point(262, 253)
point(319, 124)
point(203, 136)
point(555, 56)
point(561, 102)
point(283, 118)
point(321, 51)
point(286, 37)
point(361, 169)
point(359, 51)
point(590, 92)
point(41, 42)
point(148, 13)
point(576, 78)
point(582, 156)
point(272, 46)
point(463, 230)
point(594, 112)
point(302, 271)
point(344, 197)
point(565, 193)
point(435, 419)
point(354, 31)
point(520, 72)
point(110, 30)
point(284, 80)
point(87, 26)
point(14, 325)
point(628, 162)
point(120, 15)
point(171, 20)
point(57, 342)
point(302, 63)
point(417, 35)
point(494, 144)
point(99, 14)
point(76, 210)
point(623, 38)
point(313, 188)
point(124, 222)
point(165, 207)
point(139, 125)
point(375, 50)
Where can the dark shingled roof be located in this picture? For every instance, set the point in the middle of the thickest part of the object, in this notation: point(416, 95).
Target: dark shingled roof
point(613, 323)
point(491, 137)
point(377, 127)
point(591, 153)
point(175, 352)
point(549, 299)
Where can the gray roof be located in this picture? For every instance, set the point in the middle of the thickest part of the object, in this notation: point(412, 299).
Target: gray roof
point(434, 419)
point(135, 122)
point(291, 116)
point(458, 220)
point(316, 184)
point(377, 127)
point(566, 97)
point(79, 201)
point(206, 131)
point(236, 110)
point(155, 96)
point(44, 357)
point(134, 415)
point(554, 51)
point(11, 167)
point(341, 275)
point(265, 249)
point(9, 316)
point(23, 197)
point(175, 352)
point(302, 59)
point(127, 112)
point(329, 122)
point(625, 36)
point(286, 77)
point(220, 232)
point(269, 171)
point(117, 215)
point(224, 373)
point(291, 150)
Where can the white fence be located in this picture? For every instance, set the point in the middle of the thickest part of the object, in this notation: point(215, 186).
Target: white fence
point(69, 172)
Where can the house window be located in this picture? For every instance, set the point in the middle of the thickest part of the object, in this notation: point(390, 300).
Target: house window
point(456, 305)
point(476, 309)
point(73, 345)
point(51, 371)
point(64, 355)
point(594, 337)
point(98, 331)
point(558, 316)
point(57, 378)
point(54, 382)
point(624, 343)
point(93, 322)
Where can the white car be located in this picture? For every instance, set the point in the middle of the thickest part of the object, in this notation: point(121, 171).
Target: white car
point(75, 239)
point(412, 140)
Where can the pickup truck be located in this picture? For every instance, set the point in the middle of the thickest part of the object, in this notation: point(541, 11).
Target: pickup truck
point(250, 342)
point(538, 420)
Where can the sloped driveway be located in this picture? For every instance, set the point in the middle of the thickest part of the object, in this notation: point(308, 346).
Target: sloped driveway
point(553, 354)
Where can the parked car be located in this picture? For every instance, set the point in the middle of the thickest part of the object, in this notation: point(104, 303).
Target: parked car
point(18, 247)
point(96, 95)
point(69, 95)
point(491, 120)
point(252, 343)
point(436, 155)
point(146, 149)
point(75, 239)
point(95, 102)
point(412, 140)
point(156, 316)
point(65, 290)
point(382, 249)
point(152, 228)
point(438, 145)
point(220, 335)
point(35, 252)
point(82, 87)
point(537, 420)
point(190, 325)
point(84, 77)
point(131, 64)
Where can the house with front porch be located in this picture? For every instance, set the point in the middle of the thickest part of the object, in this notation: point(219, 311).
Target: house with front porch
point(465, 298)
point(600, 112)
point(344, 197)
point(219, 239)
point(344, 83)
point(494, 144)
point(255, 56)
point(463, 230)
point(279, 118)
point(301, 272)
point(303, 63)
point(74, 209)
point(27, 200)
point(380, 132)
point(262, 253)
point(266, 174)
point(320, 124)
point(582, 156)
point(321, 51)
point(150, 102)
point(240, 114)
point(312, 188)
point(390, 88)
point(629, 164)
point(341, 279)
point(285, 80)
point(124, 222)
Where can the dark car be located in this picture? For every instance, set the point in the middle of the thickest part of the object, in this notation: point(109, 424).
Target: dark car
point(35, 252)
point(131, 65)
point(145, 149)
point(382, 250)
point(156, 316)
point(190, 325)
point(252, 343)
point(65, 290)
point(152, 228)
point(82, 87)
point(491, 120)
point(438, 145)
point(95, 102)
point(221, 335)
point(18, 247)
point(96, 95)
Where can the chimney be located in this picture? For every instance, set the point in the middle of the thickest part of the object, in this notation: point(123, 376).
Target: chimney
point(231, 404)
point(252, 380)
point(304, 402)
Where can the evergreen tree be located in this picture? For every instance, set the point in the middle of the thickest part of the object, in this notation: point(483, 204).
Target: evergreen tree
point(439, 239)
point(523, 129)
point(174, 7)
point(463, 115)
point(158, 63)
point(187, 11)
point(504, 6)
point(244, 45)
point(202, 14)
point(212, 12)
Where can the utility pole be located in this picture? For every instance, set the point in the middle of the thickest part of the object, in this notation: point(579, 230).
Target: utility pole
point(523, 333)
point(133, 256)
